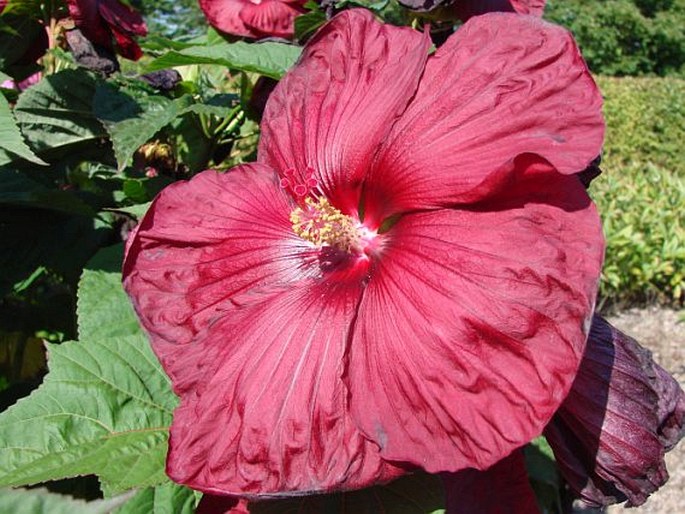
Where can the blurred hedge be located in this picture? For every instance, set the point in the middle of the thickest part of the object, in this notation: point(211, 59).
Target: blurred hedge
point(626, 37)
point(641, 195)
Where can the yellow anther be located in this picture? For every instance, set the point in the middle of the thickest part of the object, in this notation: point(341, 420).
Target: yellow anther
point(323, 225)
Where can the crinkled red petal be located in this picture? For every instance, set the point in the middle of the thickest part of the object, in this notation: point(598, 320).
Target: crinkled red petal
point(474, 321)
point(225, 16)
point(623, 412)
point(332, 110)
point(271, 416)
point(205, 247)
point(270, 18)
point(251, 325)
point(503, 85)
point(501, 489)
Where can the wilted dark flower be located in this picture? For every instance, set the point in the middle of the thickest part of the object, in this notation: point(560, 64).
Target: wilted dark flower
point(104, 20)
point(623, 413)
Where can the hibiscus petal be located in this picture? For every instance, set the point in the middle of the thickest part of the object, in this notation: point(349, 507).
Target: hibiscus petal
point(503, 85)
point(225, 16)
point(251, 326)
point(501, 489)
point(271, 416)
point(473, 323)
point(205, 247)
point(330, 112)
point(270, 18)
point(623, 412)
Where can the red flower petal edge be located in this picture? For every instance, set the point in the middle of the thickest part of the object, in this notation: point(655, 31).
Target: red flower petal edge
point(623, 413)
point(500, 489)
point(267, 18)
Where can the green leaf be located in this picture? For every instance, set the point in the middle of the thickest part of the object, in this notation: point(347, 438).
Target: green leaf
point(168, 497)
point(18, 189)
point(56, 115)
point(104, 407)
point(103, 308)
point(306, 24)
point(133, 122)
point(419, 493)
point(11, 139)
point(270, 59)
point(40, 501)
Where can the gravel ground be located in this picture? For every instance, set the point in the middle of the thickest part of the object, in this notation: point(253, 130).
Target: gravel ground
point(660, 331)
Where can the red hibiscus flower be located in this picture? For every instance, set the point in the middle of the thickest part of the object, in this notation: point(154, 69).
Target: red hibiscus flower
point(100, 20)
point(406, 277)
point(253, 18)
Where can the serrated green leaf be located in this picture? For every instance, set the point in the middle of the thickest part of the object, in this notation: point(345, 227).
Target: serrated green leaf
point(270, 59)
point(40, 501)
point(103, 309)
point(165, 498)
point(56, 114)
point(11, 139)
point(104, 407)
point(133, 122)
point(419, 493)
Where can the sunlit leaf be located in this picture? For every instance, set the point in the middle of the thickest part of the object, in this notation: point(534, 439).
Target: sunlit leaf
point(164, 498)
point(270, 59)
point(56, 115)
point(40, 501)
point(11, 139)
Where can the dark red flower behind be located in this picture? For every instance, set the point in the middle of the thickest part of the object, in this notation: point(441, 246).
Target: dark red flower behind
point(405, 278)
point(253, 18)
point(101, 21)
point(623, 413)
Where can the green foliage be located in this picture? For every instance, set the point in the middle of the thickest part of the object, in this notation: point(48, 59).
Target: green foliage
point(270, 59)
point(56, 115)
point(11, 141)
point(642, 191)
point(626, 37)
point(105, 406)
point(42, 502)
point(166, 498)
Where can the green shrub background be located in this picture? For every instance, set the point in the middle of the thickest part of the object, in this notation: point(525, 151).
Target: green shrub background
point(641, 194)
point(626, 37)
